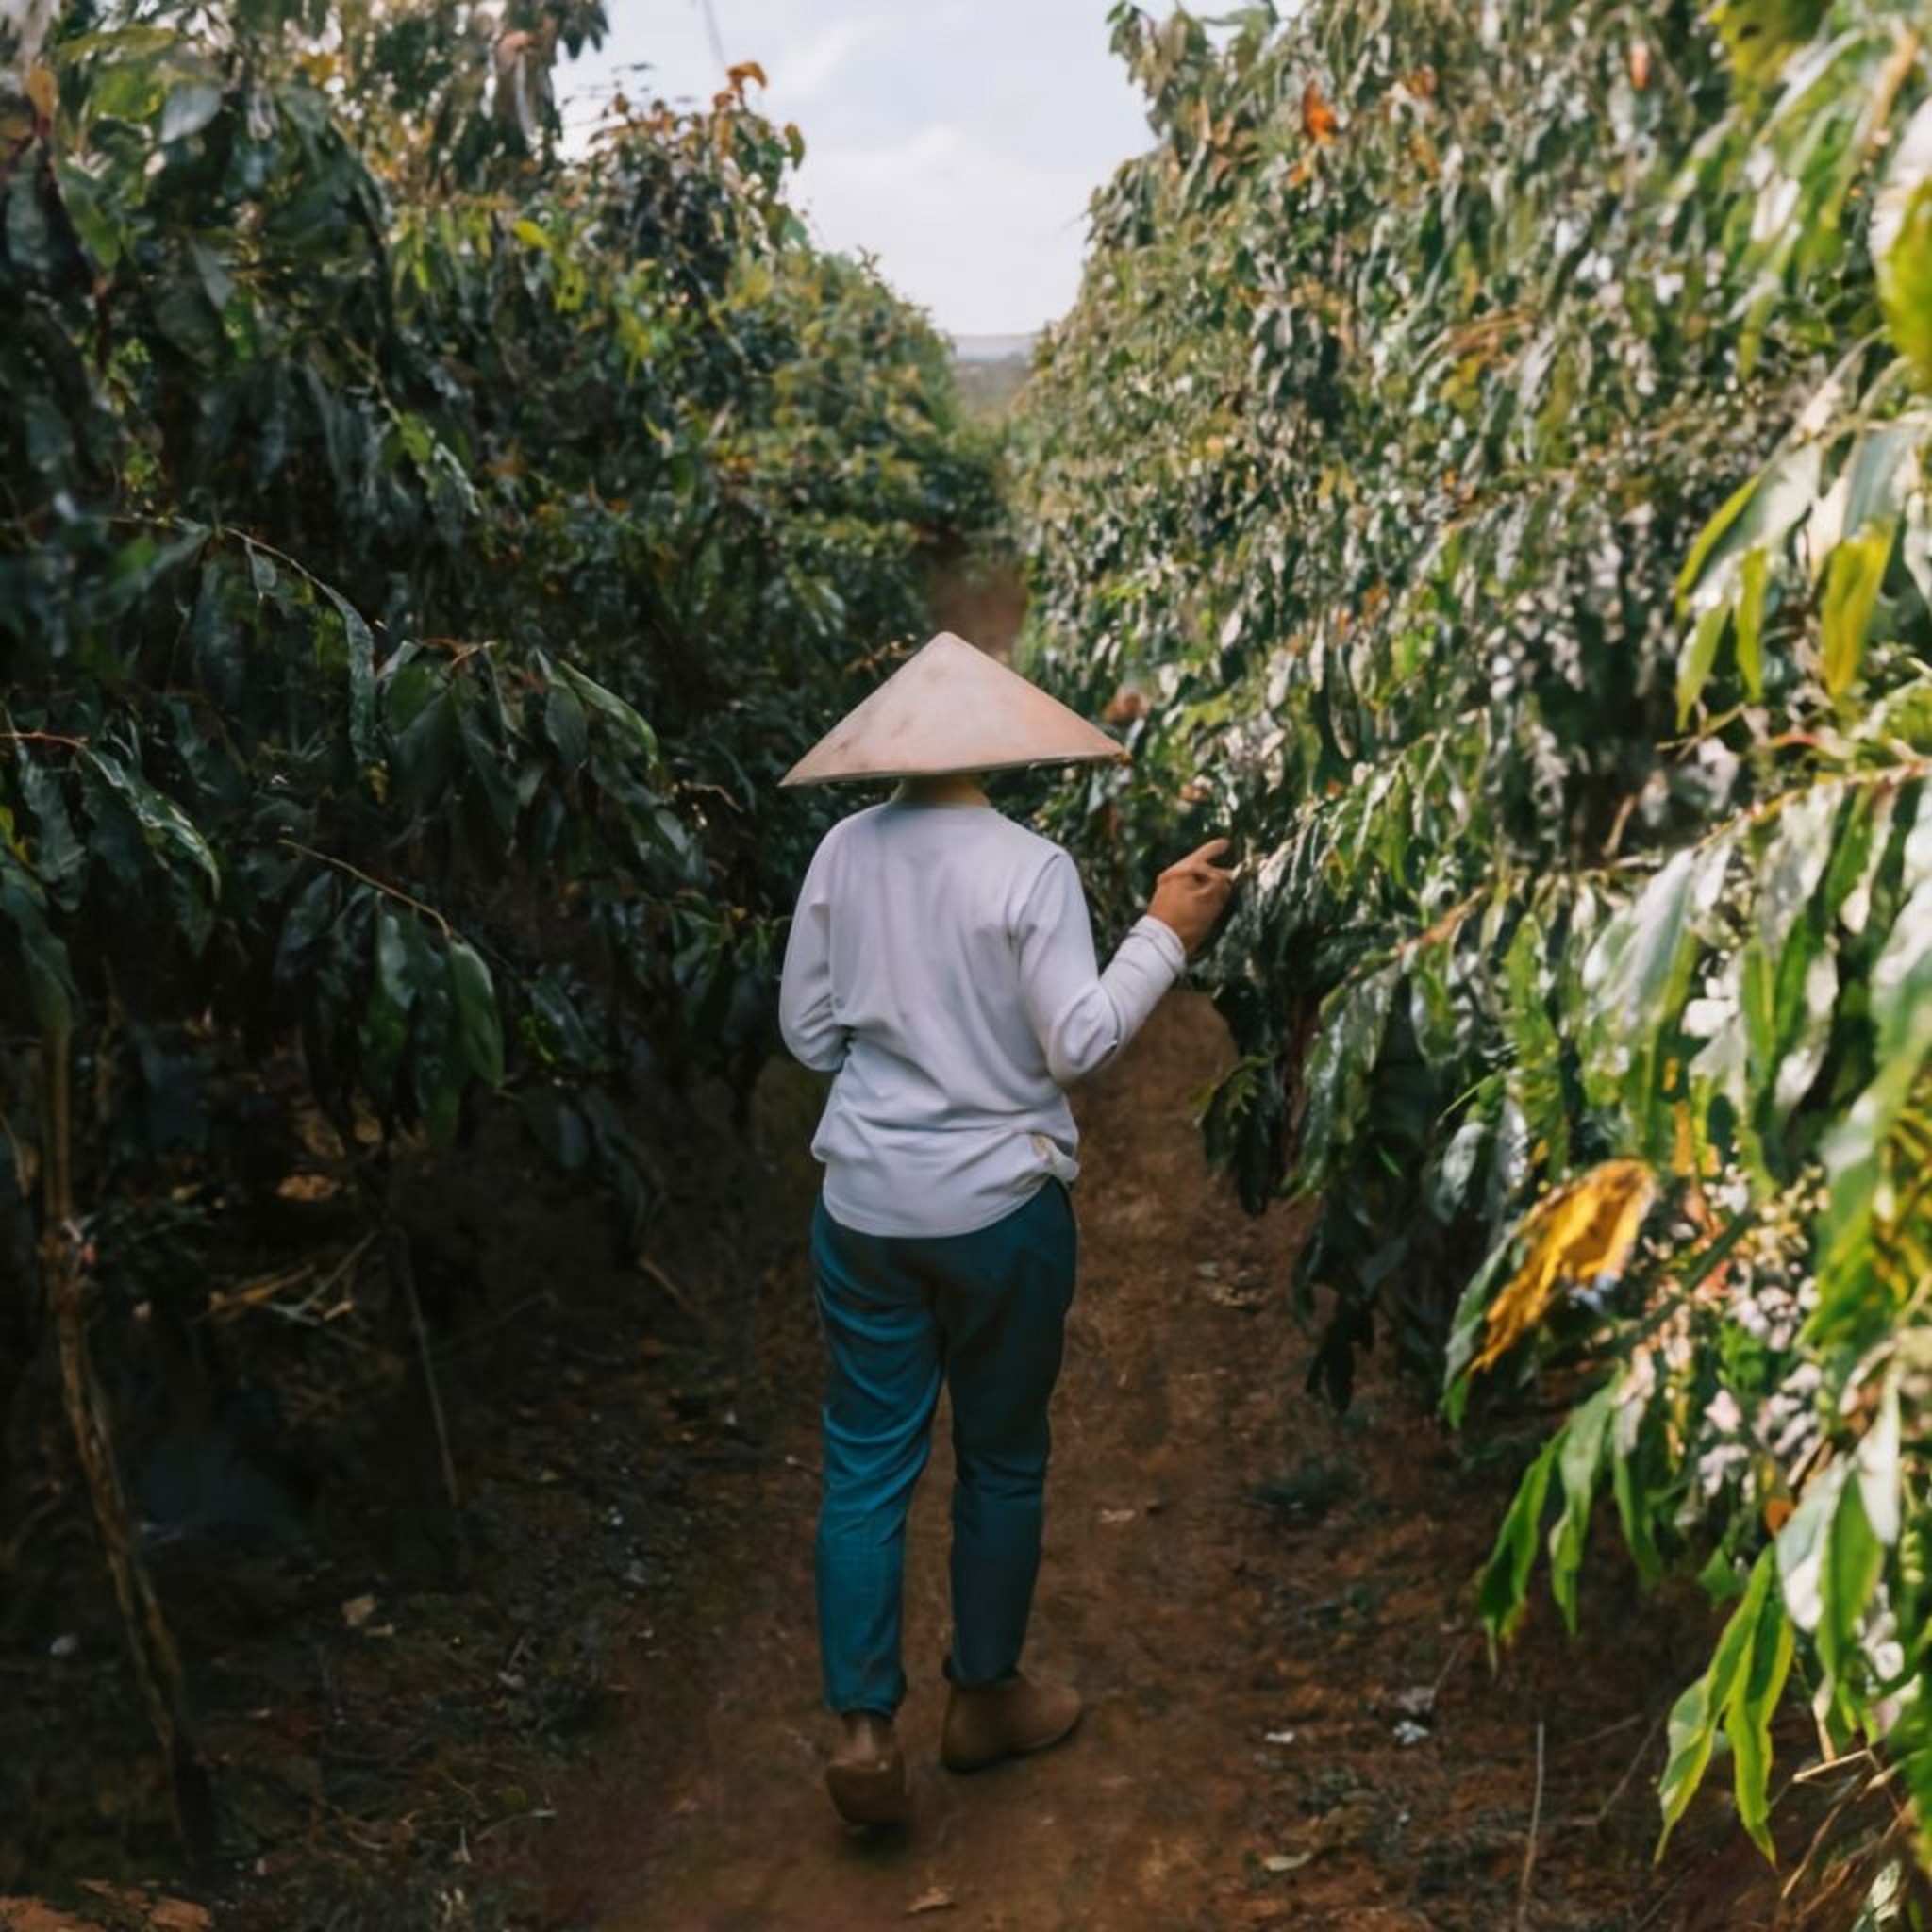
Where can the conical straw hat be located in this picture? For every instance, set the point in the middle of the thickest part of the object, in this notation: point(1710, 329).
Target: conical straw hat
point(950, 707)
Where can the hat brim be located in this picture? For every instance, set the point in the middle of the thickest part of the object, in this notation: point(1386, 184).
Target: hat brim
point(948, 710)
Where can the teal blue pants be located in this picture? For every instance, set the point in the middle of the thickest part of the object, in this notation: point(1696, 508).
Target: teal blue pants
point(984, 1313)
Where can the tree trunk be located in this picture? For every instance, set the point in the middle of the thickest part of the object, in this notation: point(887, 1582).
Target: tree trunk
point(67, 1263)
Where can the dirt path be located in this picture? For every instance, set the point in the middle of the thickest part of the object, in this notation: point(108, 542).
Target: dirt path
point(1291, 1719)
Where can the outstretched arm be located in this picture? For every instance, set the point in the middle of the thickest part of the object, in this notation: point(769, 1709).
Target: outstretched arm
point(1083, 1017)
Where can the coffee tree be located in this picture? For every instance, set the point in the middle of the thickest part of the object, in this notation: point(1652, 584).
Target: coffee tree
point(1486, 469)
point(420, 553)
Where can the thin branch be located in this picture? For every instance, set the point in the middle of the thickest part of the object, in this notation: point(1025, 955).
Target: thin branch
point(711, 33)
point(43, 737)
point(396, 893)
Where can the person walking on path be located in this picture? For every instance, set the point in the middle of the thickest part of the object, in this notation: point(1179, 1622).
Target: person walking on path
point(940, 965)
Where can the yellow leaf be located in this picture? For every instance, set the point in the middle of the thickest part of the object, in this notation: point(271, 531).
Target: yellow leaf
point(40, 91)
point(1683, 1134)
point(1583, 1230)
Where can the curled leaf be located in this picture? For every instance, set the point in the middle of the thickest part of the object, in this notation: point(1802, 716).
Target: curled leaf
point(1581, 1232)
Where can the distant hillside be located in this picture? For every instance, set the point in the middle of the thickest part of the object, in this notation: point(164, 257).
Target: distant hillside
point(990, 369)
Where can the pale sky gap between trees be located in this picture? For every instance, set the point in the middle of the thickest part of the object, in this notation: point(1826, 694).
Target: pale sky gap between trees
point(956, 141)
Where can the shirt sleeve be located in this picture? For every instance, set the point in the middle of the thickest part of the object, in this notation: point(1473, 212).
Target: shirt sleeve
point(1081, 1016)
point(805, 987)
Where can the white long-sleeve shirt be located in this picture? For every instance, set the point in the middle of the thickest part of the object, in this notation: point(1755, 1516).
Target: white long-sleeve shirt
point(941, 965)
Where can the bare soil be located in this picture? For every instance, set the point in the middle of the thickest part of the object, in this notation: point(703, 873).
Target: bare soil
point(1291, 1717)
point(587, 1701)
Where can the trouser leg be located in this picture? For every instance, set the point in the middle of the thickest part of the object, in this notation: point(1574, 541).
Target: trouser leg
point(886, 1355)
point(1004, 1312)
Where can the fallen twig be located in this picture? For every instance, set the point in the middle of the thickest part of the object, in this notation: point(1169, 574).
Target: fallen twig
point(1630, 1769)
point(1535, 1818)
point(399, 1261)
point(677, 1296)
point(514, 1818)
point(475, 1331)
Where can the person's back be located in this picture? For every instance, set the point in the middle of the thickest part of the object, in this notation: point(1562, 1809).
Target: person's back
point(942, 963)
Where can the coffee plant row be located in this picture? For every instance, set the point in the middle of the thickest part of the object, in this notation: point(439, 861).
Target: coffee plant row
point(421, 550)
point(1487, 470)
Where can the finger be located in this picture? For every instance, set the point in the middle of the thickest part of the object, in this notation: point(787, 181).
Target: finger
point(1213, 849)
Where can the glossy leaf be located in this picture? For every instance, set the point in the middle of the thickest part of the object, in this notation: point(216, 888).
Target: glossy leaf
point(1851, 590)
point(479, 1027)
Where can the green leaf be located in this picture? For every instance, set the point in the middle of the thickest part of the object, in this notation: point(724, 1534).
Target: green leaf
point(42, 955)
point(557, 1127)
point(1829, 1561)
point(362, 678)
point(95, 212)
point(1905, 281)
point(1756, 516)
point(1801, 1548)
point(1737, 1665)
point(1875, 1464)
point(1579, 1461)
point(611, 706)
point(1690, 1736)
point(438, 1069)
point(1853, 1148)
point(1853, 1560)
point(312, 913)
point(1502, 1592)
point(386, 1014)
point(479, 1028)
point(1749, 617)
point(1340, 1072)
point(162, 820)
point(564, 725)
point(190, 107)
point(1761, 35)
point(1851, 589)
point(1748, 1718)
point(1700, 654)
point(1881, 474)
point(1636, 978)
point(59, 857)
point(1635, 1506)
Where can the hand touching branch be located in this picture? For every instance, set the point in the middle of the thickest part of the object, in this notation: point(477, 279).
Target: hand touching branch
point(1191, 894)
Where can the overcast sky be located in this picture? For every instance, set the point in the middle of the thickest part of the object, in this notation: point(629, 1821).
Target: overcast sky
point(956, 140)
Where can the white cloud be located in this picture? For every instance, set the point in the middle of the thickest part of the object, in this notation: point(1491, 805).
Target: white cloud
point(985, 238)
point(803, 72)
